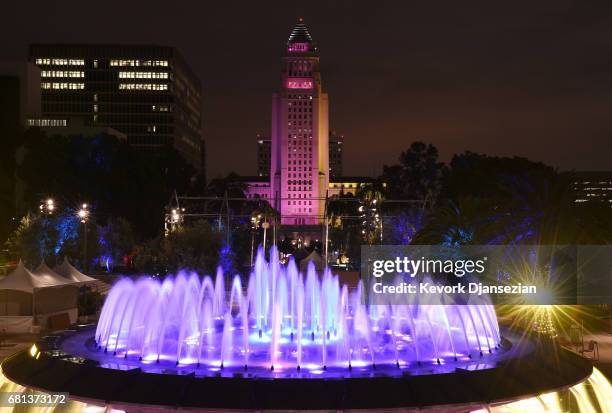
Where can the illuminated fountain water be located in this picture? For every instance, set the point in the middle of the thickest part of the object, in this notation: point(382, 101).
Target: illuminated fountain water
point(285, 320)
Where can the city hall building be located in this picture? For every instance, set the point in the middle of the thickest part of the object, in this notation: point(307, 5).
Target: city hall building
point(293, 166)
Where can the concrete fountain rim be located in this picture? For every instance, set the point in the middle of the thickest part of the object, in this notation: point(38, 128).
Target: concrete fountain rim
point(547, 368)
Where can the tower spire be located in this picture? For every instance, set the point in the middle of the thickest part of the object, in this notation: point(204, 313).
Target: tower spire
point(300, 39)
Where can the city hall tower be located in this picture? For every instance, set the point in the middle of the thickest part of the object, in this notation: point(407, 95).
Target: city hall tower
point(299, 163)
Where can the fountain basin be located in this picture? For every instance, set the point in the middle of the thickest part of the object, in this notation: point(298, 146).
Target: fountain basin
point(522, 369)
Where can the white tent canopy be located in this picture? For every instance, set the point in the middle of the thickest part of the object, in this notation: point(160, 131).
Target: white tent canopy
point(66, 270)
point(51, 277)
point(22, 279)
point(315, 258)
point(36, 298)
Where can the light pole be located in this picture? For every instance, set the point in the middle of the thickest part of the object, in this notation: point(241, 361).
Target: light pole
point(265, 227)
point(83, 214)
point(47, 206)
point(255, 219)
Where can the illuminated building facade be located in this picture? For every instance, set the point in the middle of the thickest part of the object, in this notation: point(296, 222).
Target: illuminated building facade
point(146, 92)
point(299, 165)
point(336, 143)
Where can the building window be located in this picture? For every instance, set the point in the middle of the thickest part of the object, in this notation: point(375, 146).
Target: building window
point(143, 86)
point(62, 86)
point(143, 75)
point(60, 62)
point(41, 123)
point(135, 62)
point(61, 73)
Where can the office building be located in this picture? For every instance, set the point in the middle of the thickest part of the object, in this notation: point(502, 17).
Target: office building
point(264, 147)
point(20, 97)
point(336, 144)
point(149, 93)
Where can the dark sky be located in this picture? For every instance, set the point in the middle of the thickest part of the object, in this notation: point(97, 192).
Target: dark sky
point(527, 78)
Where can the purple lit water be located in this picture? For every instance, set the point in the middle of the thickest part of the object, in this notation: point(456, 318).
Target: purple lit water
point(284, 320)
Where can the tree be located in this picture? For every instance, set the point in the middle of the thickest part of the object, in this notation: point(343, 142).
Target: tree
point(262, 217)
point(476, 175)
point(150, 257)
point(11, 134)
point(105, 172)
point(518, 202)
point(45, 237)
point(193, 248)
point(27, 241)
point(467, 220)
point(370, 201)
point(345, 226)
point(542, 211)
point(417, 176)
point(402, 226)
point(115, 242)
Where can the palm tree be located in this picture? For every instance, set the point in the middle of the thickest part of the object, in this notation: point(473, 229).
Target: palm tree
point(464, 221)
point(370, 200)
point(262, 215)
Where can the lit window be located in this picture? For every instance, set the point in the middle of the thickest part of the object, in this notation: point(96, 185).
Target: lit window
point(143, 75)
point(62, 86)
point(60, 62)
point(142, 86)
point(133, 62)
point(61, 73)
point(41, 123)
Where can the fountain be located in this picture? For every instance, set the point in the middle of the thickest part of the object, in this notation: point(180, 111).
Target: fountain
point(285, 320)
point(289, 340)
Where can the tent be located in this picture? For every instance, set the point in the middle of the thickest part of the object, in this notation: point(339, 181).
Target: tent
point(316, 259)
point(28, 298)
point(50, 277)
point(66, 270)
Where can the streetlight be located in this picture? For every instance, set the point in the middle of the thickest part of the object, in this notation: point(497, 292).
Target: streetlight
point(173, 219)
point(47, 206)
point(265, 227)
point(83, 215)
point(175, 216)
